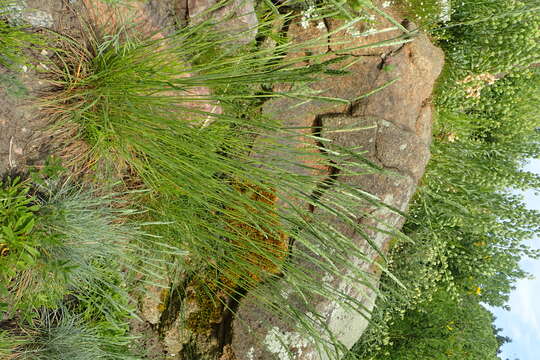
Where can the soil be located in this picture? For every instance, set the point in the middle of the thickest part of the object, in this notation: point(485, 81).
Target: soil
point(22, 140)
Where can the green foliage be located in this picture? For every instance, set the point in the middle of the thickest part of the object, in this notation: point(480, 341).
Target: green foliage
point(57, 335)
point(12, 42)
point(126, 96)
point(442, 329)
point(63, 245)
point(478, 228)
point(513, 29)
point(8, 343)
point(19, 240)
point(15, 41)
point(478, 224)
point(425, 13)
point(488, 38)
point(503, 113)
point(65, 240)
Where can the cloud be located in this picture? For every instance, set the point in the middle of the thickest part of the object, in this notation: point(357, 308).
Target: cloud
point(522, 323)
point(524, 303)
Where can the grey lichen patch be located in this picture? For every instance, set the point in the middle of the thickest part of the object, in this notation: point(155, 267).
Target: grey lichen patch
point(18, 13)
point(346, 324)
point(285, 345)
point(172, 339)
point(13, 11)
point(38, 18)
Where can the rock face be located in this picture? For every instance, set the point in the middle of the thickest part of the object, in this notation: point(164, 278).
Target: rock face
point(237, 16)
point(397, 138)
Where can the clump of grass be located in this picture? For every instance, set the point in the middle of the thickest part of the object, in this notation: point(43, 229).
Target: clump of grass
point(15, 42)
point(57, 334)
point(69, 252)
point(9, 342)
point(216, 177)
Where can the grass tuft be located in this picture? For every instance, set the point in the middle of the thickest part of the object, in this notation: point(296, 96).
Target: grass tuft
point(57, 335)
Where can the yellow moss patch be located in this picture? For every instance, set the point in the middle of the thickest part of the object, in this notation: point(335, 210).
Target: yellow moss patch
point(271, 242)
point(211, 291)
point(163, 298)
point(208, 298)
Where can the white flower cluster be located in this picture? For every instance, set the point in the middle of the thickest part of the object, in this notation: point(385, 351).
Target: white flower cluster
point(445, 10)
point(307, 15)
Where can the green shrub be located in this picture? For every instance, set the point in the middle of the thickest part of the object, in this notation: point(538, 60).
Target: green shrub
point(61, 239)
point(497, 36)
point(441, 329)
point(426, 13)
point(68, 263)
point(20, 239)
point(484, 41)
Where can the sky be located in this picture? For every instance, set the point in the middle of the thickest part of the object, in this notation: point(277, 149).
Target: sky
point(522, 322)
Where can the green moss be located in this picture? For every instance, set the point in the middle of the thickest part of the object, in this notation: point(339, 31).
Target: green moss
point(204, 292)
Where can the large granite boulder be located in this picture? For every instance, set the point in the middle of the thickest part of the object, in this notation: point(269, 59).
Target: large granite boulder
point(396, 124)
